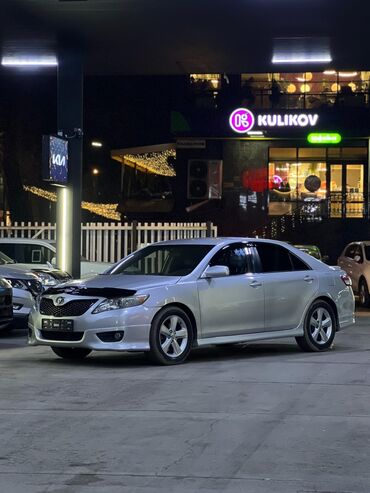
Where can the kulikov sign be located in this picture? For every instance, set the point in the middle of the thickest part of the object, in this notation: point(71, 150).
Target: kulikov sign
point(243, 120)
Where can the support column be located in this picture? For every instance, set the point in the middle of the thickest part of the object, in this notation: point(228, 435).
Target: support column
point(70, 118)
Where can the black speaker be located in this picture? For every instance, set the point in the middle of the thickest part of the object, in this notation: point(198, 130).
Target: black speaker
point(204, 179)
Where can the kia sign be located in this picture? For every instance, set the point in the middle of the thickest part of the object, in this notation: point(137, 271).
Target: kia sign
point(55, 159)
point(243, 120)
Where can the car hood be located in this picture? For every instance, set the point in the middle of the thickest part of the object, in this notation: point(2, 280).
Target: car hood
point(16, 272)
point(110, 284)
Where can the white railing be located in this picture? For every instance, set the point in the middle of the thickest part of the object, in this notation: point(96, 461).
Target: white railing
point(108, 242)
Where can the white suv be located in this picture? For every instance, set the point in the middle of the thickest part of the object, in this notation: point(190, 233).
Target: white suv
point(355, 260)
point(33, 253)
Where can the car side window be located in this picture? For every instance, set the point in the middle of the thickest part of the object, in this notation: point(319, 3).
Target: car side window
point(8, 249)
point(274, 258)
point(235, 257)
point(350, 251)
point(358, 253)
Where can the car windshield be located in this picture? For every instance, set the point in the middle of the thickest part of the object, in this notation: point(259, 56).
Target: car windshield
point(163, 260)
point(4, 259)
point(367, 252)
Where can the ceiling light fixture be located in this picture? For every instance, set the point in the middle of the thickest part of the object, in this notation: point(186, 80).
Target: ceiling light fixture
point(348, 74)
point(302, 59)
point(29, 61)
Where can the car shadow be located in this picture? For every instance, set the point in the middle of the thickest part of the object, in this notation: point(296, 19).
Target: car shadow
point(197, 356)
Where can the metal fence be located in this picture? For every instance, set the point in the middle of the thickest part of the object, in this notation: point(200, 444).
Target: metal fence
point(108, 242)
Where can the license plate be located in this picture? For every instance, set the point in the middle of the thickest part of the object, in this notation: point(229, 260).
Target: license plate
point(61, 325)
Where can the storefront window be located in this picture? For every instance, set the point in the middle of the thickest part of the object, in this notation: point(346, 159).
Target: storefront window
point(292, 182)
point(317, 174)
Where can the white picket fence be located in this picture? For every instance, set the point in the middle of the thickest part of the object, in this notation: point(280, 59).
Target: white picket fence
point(108, 242)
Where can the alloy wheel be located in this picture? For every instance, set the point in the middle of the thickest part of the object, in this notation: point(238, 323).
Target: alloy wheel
point(321, 326)
point(173, 336)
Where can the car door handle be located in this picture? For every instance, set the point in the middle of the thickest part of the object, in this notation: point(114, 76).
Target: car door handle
point(255, 284)
point(308, 279)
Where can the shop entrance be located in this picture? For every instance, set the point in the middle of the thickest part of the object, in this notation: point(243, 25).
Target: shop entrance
point(347, 198)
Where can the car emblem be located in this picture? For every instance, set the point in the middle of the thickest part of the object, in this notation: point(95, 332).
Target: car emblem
point(59, 301)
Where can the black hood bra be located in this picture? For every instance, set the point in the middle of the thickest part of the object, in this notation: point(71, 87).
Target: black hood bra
point(85, 291)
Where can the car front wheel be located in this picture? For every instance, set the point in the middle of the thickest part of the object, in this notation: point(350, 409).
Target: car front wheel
point(171, 337)
point(363, 292)
point(319, 328)
point(71, 353)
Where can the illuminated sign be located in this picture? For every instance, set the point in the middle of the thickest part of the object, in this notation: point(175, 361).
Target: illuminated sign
point(55, 159)
point(243, 120)
point(324, 138)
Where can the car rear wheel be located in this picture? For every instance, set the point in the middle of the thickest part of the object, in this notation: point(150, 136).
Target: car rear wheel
point(171, 337)
point(363, 292)
point(319, 328)
point(71, 353)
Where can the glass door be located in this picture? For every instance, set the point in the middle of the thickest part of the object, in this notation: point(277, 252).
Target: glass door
point(346, 190)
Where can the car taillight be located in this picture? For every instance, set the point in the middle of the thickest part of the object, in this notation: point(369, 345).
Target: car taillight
point(346, 279)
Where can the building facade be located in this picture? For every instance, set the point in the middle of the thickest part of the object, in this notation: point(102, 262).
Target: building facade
point(293, 151)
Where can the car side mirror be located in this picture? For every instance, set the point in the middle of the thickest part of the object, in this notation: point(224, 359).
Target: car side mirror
point(215, 271)
point(358, 259)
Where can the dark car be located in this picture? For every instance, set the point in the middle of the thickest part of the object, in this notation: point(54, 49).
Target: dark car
point(6, 304)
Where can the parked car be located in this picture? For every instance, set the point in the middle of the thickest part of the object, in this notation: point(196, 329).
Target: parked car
point(171, 296)
point(47, 275)
point(41, 254)
point(26, 287)
point(355, 260)
point(6, 304)
point(314, 251)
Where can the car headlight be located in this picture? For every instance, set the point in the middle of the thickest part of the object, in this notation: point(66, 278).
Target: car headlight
point(17, 284)
point(120, 303)
point(4, 283)
point(47, 279)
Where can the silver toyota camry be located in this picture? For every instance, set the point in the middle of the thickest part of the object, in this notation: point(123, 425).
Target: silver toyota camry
point(171, 296)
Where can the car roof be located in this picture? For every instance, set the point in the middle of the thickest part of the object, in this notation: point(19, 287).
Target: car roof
point(36, 241)
point(219, 241)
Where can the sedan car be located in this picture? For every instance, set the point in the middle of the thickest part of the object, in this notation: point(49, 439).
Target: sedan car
point(26, 286)
point(171, 296)
point(6, 306)
point(355, 260)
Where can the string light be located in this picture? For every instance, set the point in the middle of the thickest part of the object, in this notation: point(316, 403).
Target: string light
point(152, 162)
point(105, 210)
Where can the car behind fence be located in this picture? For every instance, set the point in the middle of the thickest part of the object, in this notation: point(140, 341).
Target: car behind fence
point(109, 242)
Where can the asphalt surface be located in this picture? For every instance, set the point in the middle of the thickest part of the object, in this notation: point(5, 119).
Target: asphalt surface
point(261, 418)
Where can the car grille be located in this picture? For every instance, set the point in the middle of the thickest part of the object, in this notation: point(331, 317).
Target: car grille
point(55, 335)
point(73, 308)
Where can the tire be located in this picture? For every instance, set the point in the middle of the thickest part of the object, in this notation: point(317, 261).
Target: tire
point(314, 339)
point(171, 337)
point(71, 353)
point(363, 294)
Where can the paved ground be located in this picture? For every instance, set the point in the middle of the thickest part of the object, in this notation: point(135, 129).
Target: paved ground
point(263, 418)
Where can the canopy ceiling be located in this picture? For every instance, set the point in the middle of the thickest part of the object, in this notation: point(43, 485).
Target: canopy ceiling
point(189, 36)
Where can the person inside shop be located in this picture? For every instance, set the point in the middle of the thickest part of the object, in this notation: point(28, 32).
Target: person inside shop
point(275, 93)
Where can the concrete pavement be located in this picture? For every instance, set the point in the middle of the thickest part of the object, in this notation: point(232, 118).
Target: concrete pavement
point(261, 418)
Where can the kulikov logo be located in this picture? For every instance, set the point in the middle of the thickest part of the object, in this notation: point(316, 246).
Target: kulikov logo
point(241, 120)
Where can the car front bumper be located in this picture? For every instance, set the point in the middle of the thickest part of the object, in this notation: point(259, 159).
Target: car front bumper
point(23, 302)
point(134, 323)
